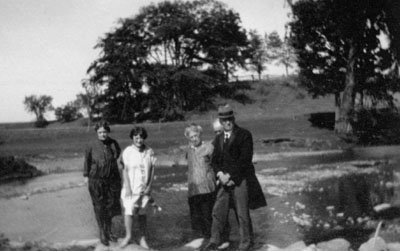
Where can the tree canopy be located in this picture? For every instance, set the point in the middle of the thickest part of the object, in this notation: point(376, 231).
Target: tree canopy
point(38, 105)
point(167, 59)
point(339, 52)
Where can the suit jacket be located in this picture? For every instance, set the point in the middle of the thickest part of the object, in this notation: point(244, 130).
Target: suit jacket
point(237, 161)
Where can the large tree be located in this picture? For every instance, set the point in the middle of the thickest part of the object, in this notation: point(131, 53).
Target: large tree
point(167, 59)
point(258, 52)
point(339, 52)
point(38, 105)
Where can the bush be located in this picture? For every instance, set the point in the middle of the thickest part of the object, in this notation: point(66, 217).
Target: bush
point(377, 126)
point(67, 113)
point(12, 168)
point(41, 123)
point(263, 90)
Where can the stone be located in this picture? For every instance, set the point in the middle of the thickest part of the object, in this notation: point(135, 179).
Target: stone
point(312, 247)
point(101, 247)
point(374, 244)
point(85, 243)
point(393, 246)
point(297, 246)
point(338, 244)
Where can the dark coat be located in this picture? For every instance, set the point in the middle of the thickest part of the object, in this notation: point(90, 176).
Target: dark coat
point(101, 160)
point(238, 163)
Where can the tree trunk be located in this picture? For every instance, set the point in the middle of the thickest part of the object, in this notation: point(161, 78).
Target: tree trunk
point(343, 125)
point(337, 106)
point(89, 111)
point(287, 70)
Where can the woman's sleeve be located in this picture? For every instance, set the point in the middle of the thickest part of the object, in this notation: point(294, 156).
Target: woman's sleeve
point(125, 177)
point(117, 149)
point(87, 162)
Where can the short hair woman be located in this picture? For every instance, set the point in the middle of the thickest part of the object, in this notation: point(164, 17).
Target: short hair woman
point(101, 170)
point(138, 171)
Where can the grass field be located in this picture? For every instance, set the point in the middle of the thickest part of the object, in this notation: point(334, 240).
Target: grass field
point(274, 109)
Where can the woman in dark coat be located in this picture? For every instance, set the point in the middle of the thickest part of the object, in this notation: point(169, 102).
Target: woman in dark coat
point(101, 169)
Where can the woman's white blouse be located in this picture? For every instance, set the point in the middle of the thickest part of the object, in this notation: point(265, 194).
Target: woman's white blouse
point(139, 167)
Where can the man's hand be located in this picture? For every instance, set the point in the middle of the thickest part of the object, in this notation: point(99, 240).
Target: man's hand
point(230, 183)
point(224, 178)
point(85, 180)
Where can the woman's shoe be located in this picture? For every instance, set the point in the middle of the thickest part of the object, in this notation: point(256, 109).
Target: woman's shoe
point(103, 238)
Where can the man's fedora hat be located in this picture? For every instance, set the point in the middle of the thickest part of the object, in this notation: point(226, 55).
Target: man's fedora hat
point(225, 111)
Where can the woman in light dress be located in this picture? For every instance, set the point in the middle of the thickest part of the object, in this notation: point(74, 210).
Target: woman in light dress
point(138, 171)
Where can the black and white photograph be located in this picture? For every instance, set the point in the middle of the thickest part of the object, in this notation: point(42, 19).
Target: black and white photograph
point(200, 125)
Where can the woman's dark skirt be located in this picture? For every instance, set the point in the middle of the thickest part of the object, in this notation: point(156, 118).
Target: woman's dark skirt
point(105, 194)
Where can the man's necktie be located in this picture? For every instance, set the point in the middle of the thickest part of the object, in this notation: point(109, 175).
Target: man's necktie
point(226, 138)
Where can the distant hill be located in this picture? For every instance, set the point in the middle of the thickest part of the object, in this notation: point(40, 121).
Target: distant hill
point(277, 97)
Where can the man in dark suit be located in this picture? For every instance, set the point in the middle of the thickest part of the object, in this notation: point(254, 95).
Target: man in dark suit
point(232, 163)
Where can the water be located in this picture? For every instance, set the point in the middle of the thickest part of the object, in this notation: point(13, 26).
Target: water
point(334, 195)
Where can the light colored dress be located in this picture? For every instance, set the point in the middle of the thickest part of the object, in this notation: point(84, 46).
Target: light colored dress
point(140, 171)
point(201, 177)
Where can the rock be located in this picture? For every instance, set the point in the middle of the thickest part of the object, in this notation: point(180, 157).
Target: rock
point(101, 247)
point(393, 246)
point(338, 244)
point(299, 205)
point(16, 244)
point(330, 208)
point(312, 247)
point(114, 246)
point(374, 244)
point(381, 207)
point(196, 243)
point(24, 197)
point(273, 248)
point(297, 246)
point(85, 243)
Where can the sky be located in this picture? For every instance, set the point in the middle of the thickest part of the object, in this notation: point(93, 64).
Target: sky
point(46, 46)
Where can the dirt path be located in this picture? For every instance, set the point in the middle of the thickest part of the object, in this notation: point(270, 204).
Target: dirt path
point(60, 216)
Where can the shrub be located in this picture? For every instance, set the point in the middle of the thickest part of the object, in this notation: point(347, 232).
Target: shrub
point(12, 168)
point(263, 90)
point(41, 123)
point(67, 113)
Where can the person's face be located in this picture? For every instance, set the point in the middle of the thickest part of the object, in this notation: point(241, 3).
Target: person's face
point(227, 123)
point(138, 141)
point(218, 130)
point(102, 133)
point(194, 138)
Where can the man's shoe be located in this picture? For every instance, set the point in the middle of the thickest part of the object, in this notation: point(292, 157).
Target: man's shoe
point(224, 246)
point(211, 247)
point(113, 237)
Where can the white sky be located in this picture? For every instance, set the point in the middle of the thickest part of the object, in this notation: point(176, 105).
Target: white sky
point(46, 46)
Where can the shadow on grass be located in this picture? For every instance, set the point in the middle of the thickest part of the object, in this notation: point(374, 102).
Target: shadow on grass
point(323, 120)
point(236, 91)
point(370, 127)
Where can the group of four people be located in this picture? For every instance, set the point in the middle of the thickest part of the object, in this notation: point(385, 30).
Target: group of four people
point(221, 176)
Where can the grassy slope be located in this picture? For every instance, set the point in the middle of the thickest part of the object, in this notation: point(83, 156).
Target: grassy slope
point(275, 109)
point(276, 98)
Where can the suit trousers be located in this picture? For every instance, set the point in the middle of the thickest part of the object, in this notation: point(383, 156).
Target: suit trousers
point(239, 196)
